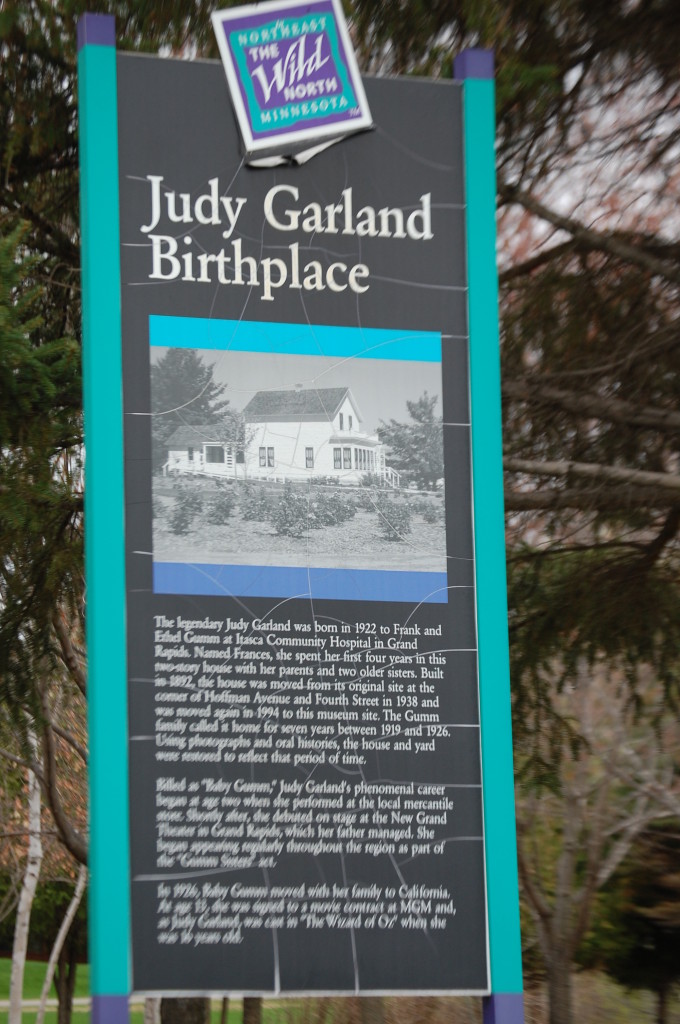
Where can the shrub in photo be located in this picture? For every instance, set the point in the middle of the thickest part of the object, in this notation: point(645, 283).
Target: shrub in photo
point(221, 508)
point(254, 504)
point(372, 480)
point(369, 499)
point(394, 519)
point(292, 515)
point(187, 507)
point(432, 511)
point(332, 509)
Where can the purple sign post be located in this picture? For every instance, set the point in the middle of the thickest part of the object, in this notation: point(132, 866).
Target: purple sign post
point(292, 74)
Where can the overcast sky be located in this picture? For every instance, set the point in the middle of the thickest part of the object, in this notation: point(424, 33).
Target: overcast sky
point(381, 387)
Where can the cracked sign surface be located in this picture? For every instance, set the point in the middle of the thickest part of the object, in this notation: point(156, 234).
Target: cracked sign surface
point(305, 780)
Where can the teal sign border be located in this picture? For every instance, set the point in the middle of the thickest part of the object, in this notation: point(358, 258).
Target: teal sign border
point(109, 890)
point(504, 1006)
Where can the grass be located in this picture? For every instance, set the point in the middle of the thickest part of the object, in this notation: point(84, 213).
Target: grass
point(34, 975)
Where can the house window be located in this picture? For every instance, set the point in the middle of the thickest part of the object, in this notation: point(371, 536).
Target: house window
point(263, 458)
point(309, 458)
point(346, 458)
point(350, 422)
point(190, 454)
point(356, 458)
point(270, 457)
point(337, 458)
point(341, 422)
point(214, 453)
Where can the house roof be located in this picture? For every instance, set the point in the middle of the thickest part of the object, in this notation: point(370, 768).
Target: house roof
point(299, 404)
point(204, 433)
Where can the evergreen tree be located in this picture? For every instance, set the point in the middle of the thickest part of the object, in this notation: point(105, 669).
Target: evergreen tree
point(640, 939)
point(416, 447)
point(40, 479)
point(183, 391)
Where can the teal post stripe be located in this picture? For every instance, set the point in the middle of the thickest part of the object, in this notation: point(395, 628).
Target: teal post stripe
point(492, 615)
point(104, 522)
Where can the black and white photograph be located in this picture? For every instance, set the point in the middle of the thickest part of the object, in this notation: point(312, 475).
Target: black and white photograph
point(271, 459)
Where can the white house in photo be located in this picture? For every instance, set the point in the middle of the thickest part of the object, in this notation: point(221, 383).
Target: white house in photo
point(206, 450)
point(289, 435)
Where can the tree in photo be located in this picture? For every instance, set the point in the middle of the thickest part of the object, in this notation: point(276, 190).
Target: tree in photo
point(416, 447)
point(185, 393)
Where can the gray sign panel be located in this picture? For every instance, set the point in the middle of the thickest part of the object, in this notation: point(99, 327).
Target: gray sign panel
point(305, 780)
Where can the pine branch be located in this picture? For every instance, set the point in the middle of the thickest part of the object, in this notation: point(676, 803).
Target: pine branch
point(604, 498)
point(614, 410)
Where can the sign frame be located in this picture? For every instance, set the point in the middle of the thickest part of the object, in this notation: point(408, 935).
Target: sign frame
point(105, 558)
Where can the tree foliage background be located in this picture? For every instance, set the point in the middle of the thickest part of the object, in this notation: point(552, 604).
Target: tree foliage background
point(639, 936)
point(588, 108)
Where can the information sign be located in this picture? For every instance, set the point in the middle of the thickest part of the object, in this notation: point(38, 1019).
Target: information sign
point(305, 772)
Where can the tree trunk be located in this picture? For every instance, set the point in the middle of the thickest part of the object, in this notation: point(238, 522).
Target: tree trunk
point(59, 942)
point(559, 988)
point(193, 1010)
point(152, 1010)
point(252, 1010)
point(662, 1005)
point(28, 887)
point(65, 983)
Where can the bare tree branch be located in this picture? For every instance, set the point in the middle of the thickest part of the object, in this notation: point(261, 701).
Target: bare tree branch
point(71, 838)
point(669, 482)
point(530, 884)
point(611, 243)
point(17, 760)
point(71, 740)
point(527, 266)
point(69, 655)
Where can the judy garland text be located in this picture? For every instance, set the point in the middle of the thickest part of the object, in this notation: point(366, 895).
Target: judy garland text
point(181, 257)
